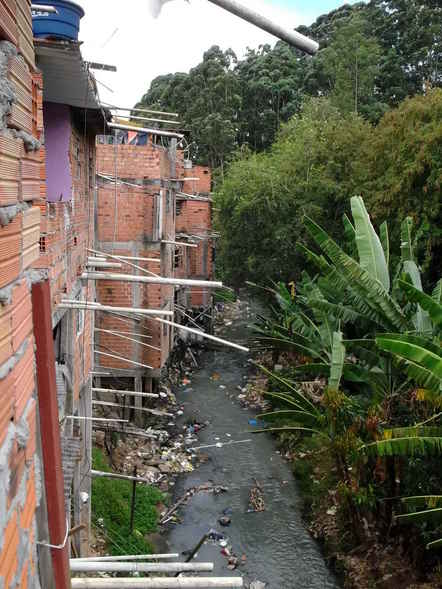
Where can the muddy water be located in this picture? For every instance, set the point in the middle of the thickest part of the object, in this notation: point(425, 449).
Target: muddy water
point(279, 550)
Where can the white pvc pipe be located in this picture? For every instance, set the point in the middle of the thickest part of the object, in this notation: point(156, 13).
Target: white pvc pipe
point(149, 280)
point(125, 393)
point(180, 243)
point(147, 119)
point(292, 37)
point(155, 112)
point(140, 567)
point(127, 557)
point(202, 334)
point(90, 306)
point(135, 259)
point(104, 264)
point(130, 339)
point(144, 130)
point(114, 257)
point(160, 583)
point(44, 8)
point(123, 359)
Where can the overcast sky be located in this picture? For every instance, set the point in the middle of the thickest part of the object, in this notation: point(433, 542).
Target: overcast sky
point(124, 33)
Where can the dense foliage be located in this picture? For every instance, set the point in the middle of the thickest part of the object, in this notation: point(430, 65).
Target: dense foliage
point(366, 380)
point(372, 56)
point(320, 159)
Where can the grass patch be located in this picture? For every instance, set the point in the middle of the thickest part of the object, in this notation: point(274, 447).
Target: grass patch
point(111, 501)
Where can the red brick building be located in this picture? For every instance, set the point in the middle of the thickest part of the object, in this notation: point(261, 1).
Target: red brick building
point(48, 124)
point(145, 220)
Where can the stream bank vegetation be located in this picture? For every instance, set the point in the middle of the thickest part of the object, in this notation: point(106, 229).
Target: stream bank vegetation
point(360, 404)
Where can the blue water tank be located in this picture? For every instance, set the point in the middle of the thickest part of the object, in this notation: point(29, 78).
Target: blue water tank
point(64, 25)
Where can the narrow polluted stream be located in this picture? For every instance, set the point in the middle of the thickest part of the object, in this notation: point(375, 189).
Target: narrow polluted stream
point(274, 545)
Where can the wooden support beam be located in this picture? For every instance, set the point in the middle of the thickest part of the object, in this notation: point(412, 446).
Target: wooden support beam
point(149, 280)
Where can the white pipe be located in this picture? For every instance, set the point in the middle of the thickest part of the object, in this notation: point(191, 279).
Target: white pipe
point(78, 417)
point(151, 411)
point(202, 334)
point(180, 243)
point(125, 393)
point(44, 8)
point(147, 119)
point(127, 333)
point(142, 567)
point(135, 259)
point(114, 257)
point(130, 339)
point(121, 477)
point(104, 265)
point(155, 112)
point(144, 130)
point(91, 306)
point(149, 280)
point(123, 359)
point(292, 37)
point(157, 583)
point(127, 557)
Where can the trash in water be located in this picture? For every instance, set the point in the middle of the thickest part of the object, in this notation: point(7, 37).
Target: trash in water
point(253, 422)
point(228, 511)
point(215, 535)
point(215, 376)
point(225, 521)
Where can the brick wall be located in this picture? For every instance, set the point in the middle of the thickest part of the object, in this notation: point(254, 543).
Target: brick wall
point(128, 225)
point(37, 238)
point(19, 249)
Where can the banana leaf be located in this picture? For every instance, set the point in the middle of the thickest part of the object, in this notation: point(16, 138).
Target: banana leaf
point(429, 501)
point(299, 417)
point(414, 350)
point(385, 241)
point(408, 446)
point(435, 515)
point(337, 361)
point(407, 240)
point(371, 254)
point(437, 292)
point(428, 303)
point(368, 287)
point(421, 320)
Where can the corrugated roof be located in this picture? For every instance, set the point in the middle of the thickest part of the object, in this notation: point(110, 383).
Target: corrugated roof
point(67, 79)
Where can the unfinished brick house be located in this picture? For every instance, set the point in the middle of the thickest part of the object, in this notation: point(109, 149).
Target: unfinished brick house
point(49, 115)
point(139, 216)
point(194, 222)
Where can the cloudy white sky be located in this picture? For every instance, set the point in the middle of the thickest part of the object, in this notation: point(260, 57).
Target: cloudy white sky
point(124, 33)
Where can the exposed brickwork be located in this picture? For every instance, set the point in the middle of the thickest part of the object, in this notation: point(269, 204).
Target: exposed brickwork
point(36, 238)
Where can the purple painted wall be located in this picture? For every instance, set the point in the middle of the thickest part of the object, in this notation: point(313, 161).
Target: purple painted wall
point(57, 126)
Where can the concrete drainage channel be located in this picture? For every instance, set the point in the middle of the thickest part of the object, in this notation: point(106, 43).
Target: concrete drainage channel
point(269, 547)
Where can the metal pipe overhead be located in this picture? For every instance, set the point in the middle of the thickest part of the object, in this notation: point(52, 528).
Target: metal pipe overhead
point(149, 120)
point(144, 130)
point(155, 112)
point(142, 567)
point(160, 583)
point(149, 280)
point(291, 37)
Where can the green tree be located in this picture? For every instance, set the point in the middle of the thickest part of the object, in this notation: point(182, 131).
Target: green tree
point(310, 169)
point(403, 173)
point(351, 64)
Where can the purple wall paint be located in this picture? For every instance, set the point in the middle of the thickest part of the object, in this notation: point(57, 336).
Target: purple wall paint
point(57, 126)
